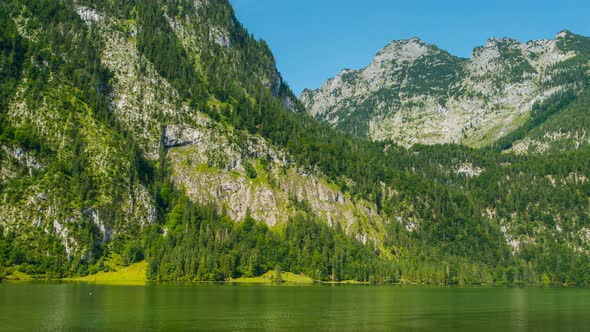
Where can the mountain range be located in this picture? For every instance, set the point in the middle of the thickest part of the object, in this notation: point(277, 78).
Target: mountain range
point(161, 130)
point(416, 93)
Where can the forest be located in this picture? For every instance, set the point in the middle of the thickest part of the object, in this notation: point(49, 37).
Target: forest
point(456, 242)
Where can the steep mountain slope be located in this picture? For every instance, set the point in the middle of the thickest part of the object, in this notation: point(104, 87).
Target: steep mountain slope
point(79, 170)
point(413, 92)
point(567, 130)
point(562, 125)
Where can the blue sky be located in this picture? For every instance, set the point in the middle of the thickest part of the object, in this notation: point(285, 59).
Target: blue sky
point(312, 40)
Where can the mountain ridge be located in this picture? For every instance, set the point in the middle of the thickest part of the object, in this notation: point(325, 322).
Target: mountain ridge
point(434, 97)
point(561, 33)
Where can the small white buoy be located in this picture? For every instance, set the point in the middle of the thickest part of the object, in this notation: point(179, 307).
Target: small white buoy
point(90, 293)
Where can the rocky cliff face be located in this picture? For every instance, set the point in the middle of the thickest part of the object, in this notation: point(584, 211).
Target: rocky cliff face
point(413, 92)
point(244, 175)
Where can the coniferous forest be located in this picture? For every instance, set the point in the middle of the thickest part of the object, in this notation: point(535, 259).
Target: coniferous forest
point(524, 219)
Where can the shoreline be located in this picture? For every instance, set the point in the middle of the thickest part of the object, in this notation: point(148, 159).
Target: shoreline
point(135, 275)
point(237, 283)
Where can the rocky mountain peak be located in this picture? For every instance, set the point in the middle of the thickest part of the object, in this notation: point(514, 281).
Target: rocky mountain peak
point(505, 41)
point(403, 50)
point(563, 34)
point(414, 92)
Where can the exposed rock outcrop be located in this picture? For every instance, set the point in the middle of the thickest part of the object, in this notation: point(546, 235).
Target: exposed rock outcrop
point(414, 92)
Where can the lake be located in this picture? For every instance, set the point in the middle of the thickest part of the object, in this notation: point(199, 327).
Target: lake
point(48, 306)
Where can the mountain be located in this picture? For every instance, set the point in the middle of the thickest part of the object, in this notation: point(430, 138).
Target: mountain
point(113, 110)
point(161, 130)
point(414, 92)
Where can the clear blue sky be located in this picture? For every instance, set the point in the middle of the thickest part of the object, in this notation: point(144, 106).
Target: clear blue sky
point(312, 40)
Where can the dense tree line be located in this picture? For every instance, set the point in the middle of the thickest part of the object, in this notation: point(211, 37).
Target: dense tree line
point(200, 244)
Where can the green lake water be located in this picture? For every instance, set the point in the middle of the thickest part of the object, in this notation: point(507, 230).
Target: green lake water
point(220, 307)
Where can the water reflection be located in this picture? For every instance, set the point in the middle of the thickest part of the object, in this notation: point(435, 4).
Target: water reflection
point(70, 306)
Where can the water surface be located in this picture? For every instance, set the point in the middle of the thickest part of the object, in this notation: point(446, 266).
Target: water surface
point(211, 307)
